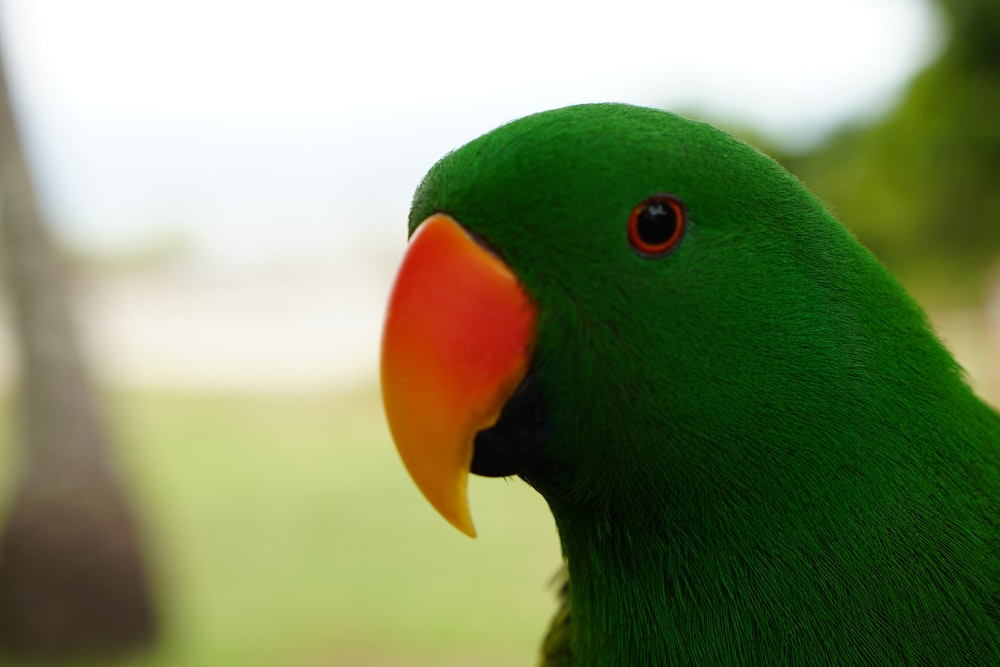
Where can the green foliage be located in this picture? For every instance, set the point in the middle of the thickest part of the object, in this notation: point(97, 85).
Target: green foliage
point(920, 186)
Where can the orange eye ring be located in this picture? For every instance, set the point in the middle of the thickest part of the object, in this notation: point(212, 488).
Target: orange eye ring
point(656, 225)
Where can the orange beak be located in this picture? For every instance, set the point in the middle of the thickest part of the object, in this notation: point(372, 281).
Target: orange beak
point(455, 346)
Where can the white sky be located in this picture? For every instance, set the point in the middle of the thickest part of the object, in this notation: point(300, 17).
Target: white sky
point(272, 129)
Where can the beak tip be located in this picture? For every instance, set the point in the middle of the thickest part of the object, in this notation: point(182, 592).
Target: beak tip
point(457, 513)
point(467, 527)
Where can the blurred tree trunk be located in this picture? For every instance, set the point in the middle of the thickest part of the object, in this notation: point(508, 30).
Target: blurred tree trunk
point(72, 577)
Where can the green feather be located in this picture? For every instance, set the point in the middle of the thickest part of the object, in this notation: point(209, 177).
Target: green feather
point(759, 453)
point(557, 648)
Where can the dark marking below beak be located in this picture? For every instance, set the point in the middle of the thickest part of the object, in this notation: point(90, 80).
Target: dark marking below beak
point(513, 445)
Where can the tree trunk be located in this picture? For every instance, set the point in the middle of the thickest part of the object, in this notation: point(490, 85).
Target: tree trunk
point(72, 577)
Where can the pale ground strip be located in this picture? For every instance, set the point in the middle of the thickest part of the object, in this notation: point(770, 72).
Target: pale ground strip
point(306, 329)
point(294, 331)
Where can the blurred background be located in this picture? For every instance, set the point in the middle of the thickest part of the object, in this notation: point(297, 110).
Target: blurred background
point(227, 184)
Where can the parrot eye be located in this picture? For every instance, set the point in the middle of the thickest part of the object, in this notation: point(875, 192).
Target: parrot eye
point(656, 225)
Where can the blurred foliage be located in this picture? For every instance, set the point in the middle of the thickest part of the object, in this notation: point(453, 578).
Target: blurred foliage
point(921, 186)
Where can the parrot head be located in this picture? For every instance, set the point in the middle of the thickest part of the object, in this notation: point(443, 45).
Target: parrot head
point(627, 309)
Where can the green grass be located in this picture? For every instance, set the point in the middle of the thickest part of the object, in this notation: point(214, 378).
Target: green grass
point(285, 532)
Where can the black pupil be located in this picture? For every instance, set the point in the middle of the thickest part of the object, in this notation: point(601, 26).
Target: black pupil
point(656, 223)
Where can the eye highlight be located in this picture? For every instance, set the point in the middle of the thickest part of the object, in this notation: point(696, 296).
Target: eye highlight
point(656, 225)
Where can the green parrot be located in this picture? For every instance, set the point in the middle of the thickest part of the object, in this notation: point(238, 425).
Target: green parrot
point(755, 449)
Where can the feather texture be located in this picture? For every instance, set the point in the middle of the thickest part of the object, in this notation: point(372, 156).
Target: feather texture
point(760, 452)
